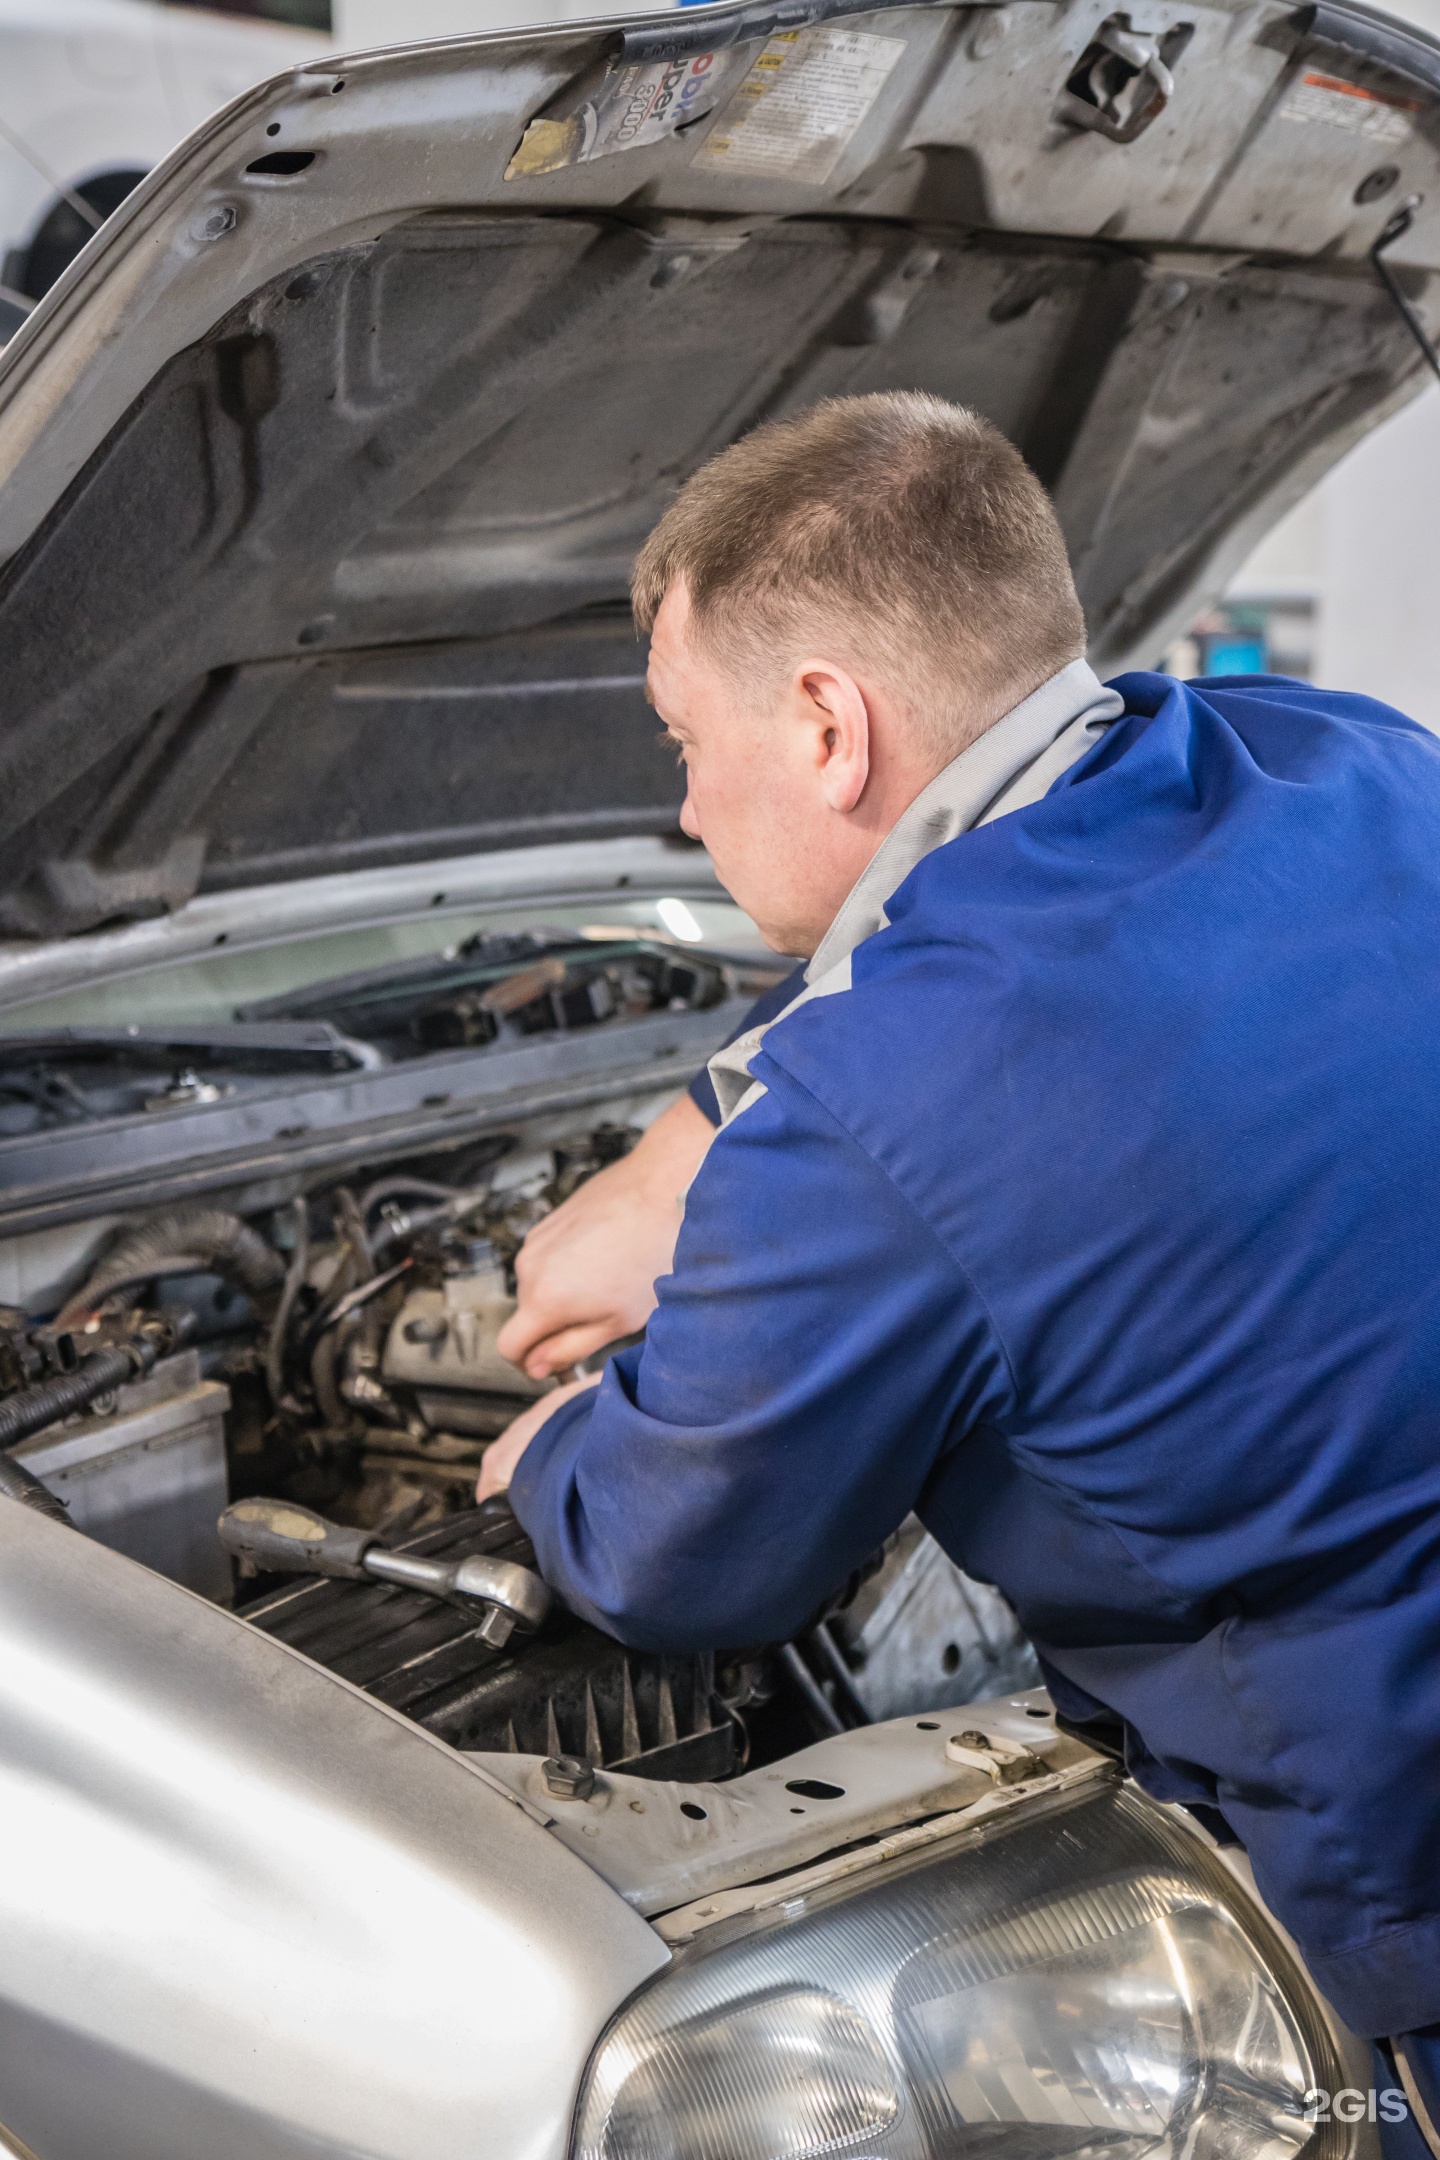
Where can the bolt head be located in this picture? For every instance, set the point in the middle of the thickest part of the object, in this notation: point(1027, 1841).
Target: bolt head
point(568, 1777)
point(496, 1628)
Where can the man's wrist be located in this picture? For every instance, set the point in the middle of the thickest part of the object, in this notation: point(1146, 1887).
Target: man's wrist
point(504, 1456)
point(554, 1431)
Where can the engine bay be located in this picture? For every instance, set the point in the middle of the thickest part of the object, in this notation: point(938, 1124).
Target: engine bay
point(332, 1351)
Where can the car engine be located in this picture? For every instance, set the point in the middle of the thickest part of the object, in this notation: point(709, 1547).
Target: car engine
point(335, 1351)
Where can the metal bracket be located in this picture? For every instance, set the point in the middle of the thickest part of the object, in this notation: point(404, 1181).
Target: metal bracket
point(1007, 1762)
point(1122, 82)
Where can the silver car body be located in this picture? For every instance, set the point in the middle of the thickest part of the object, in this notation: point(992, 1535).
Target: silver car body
point(251, 1913)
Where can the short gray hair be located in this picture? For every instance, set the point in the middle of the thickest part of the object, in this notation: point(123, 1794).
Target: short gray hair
point(900, 532)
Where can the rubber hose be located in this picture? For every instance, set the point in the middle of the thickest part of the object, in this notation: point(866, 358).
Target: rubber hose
point(294, 1277)
point(221, 1243)
point(50, 1400)
point(387, 1188)
point(336, 1414)
point(158, 1271)
point(18, 1483)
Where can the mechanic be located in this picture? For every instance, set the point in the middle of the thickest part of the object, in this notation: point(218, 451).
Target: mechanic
point(1084, 1197)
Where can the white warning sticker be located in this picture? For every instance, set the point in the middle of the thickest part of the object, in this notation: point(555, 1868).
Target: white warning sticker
point(800, 104)
point(1345, 105)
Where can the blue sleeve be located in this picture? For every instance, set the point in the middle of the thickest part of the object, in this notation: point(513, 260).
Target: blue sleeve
point(813, 1353)
point(766, 1006)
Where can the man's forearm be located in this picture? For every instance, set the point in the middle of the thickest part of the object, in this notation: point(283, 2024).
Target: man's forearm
point(670, 1152)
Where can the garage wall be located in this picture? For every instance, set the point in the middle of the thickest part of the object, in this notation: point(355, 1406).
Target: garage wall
point(388, 22)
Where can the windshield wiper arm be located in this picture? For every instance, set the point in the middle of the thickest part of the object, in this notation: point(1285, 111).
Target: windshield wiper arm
point(275, 1041)
point(467, 966)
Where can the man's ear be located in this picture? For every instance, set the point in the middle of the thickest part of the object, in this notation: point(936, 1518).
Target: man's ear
point(833, 709)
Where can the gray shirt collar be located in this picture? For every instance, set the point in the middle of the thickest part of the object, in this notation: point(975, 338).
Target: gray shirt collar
point(1013, 763)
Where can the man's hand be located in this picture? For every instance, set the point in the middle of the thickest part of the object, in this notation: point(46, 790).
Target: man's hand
point(586, 1274)
point(497, 1466)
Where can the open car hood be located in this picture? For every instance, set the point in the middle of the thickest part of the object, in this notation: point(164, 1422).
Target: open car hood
point(322, 471)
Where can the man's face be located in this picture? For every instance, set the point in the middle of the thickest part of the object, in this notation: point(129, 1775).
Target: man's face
point(765, 789)
point(755, 787)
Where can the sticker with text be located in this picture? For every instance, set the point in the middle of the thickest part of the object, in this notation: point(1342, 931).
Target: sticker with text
point(800, 105)
point(1336, 103)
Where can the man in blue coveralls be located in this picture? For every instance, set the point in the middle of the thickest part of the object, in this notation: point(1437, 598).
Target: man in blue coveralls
point(1084, 1197)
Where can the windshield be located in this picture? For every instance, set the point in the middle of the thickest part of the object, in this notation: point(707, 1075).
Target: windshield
point(220, 986)
point(209, 1030)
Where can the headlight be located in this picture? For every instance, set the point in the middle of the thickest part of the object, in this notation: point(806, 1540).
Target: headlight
point(1081, 1978)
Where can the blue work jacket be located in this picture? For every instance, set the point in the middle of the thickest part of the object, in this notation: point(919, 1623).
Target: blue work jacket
point(1098, 1220)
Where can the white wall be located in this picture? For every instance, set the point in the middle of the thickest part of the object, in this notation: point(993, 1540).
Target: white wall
point(383, 22)
point(1424, 12)
point(1380, 607)
point(391, 22)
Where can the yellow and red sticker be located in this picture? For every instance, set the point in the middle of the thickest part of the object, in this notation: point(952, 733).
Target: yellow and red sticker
point(1334, 102)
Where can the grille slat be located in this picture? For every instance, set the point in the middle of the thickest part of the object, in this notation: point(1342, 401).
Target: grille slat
point(568, 1690)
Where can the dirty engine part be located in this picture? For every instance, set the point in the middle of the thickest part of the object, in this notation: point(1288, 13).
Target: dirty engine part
point(567, 1690)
